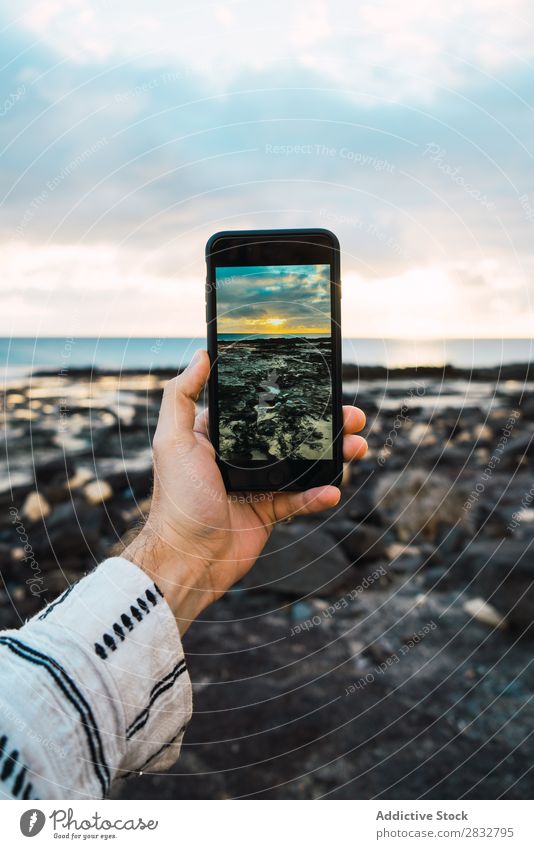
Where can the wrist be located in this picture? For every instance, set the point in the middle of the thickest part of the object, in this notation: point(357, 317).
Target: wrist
point(178, 580)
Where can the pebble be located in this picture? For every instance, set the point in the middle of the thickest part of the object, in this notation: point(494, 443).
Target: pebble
point(80, 478)
point(97, 491)
point(35, 507)
point(484, 612)
point(397, 549)
point(421, 599)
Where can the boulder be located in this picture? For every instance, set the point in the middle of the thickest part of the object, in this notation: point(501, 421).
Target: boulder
point(362, 543)
point(58, 470)
point(502, 572)
point(72, 529)
point(137, 481)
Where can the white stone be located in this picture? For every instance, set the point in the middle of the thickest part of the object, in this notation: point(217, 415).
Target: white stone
point(484, 612)
point(97, 491)
point(483, 433)
point(35, 507)
point(396, 549)
point(80, 478)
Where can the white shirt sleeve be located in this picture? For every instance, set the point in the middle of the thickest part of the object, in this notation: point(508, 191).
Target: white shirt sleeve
point(92, 689)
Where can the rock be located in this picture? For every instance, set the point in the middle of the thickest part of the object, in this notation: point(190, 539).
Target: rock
point(35, 507)
point(73, 529)
point(484, 612)
point(362, 543)
point(59, 580)
point(299, 562)
point(404, 565)
point(396, 549)
point(403, 558)
point(450, 540)
point(55, 493)
point(435, 578)
point(379, 651)
point(57, 470)
point(417, 502)
point(421, 600)
point(138, 480)
point(366, 404)
point(15, 495)
point(518, 450)
point(361, 505)
point(495, 518)
point(527, 408)
point(421, 434)
point(80, 478)
point(97, 491)
point(483, 435)
point(144, 507)
point(503, 574)
point(300, 611)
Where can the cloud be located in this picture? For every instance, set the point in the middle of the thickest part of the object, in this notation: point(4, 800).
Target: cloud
point(249, 311)
point(121, 155)
point(290, 298)
point(296, 292)
point(387, 49)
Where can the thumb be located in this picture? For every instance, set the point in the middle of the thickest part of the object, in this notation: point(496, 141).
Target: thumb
point(193, 378)
point(177, 414)
point(287, 505)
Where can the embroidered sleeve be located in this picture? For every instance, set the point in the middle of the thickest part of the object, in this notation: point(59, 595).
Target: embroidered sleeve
point(93, 689)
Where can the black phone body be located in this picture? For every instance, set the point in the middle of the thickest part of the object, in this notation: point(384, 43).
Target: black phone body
point(274, 338)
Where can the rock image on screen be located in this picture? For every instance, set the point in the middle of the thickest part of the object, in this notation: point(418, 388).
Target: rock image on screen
point(274, 362)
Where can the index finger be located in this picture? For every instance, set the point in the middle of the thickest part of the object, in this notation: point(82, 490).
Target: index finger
point(353, 419)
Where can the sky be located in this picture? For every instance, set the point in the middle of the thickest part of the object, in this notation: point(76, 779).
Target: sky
point(267, 299)
point(130, 132)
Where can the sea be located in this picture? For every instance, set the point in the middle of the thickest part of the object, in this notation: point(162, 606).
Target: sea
point(23, 355)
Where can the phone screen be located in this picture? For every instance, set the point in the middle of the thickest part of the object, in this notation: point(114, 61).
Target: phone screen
point(274, 355)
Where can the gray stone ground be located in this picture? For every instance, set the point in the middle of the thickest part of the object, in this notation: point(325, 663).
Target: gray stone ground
point(347, 664)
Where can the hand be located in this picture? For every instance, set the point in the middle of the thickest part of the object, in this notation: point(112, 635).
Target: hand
point(198, 539)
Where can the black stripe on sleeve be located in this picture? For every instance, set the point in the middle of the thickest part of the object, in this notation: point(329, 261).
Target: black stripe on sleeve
point(75, 697)
point(157, 690)
point(156, 754)
point(59, 600)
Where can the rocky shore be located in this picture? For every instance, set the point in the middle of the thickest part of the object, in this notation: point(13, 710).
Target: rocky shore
point(384, 650)
point(275, 399)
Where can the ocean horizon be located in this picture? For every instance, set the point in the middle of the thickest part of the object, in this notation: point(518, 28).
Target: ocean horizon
point(234, 337)
point(23, 355)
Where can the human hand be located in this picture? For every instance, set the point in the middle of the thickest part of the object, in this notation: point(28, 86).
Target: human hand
point(198, 539)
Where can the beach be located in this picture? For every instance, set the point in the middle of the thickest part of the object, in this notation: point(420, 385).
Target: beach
point(402, 615)
point(275, 398)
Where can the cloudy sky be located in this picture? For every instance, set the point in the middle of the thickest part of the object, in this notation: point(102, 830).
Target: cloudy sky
point(267, 299)
point(132, 131)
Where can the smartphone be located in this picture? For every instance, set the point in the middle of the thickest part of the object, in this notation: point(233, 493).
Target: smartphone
point(274, 340)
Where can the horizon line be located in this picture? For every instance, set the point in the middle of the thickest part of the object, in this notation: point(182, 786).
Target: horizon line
point(343, 336)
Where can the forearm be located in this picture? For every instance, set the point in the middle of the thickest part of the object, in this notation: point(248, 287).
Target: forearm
point(93, 688)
